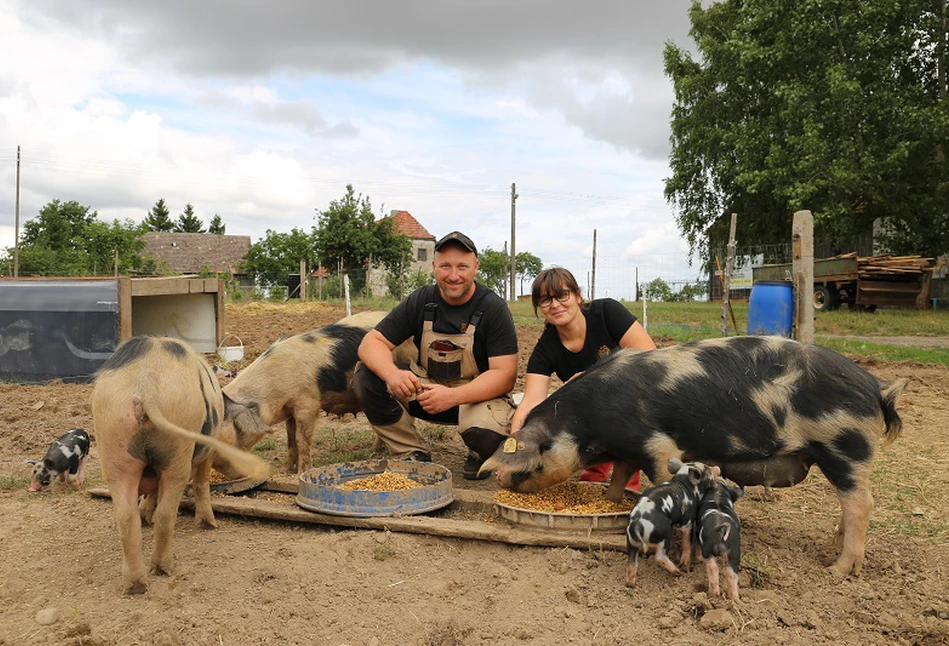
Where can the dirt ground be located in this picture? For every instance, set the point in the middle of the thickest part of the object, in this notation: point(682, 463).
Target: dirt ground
point(264, 582)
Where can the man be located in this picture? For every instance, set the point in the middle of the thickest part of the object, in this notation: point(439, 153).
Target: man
point(467, 362)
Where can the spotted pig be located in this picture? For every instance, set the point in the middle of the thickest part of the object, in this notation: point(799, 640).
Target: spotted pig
point(763, 409)
point(718, 536)
point(157, 409)
point(65, 458)
point(295, 379)
point(661, 509)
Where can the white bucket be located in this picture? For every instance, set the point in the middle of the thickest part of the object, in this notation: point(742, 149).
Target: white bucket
point(231, 352)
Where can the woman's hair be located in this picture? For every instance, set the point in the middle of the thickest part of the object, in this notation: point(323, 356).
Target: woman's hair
point(554, 282)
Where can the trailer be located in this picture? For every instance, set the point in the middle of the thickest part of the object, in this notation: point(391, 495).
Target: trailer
point(863, 283)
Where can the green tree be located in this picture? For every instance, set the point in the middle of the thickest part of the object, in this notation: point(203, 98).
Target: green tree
point(276, 255)
point(658, 290)
point(217, 227)
point(526, 267)
point(494, 270)
point(188, 222)
point(66, 239)
point(348, 234)
point(159, 218)
point(837, 106)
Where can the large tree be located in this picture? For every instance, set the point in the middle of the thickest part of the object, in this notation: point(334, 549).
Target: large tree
point(276, 255)
point(349, 235)
point(188, 222)
point(837, 106)
point(67, 239)
point(527, 266)
point(217, 227)
point(494, 270)
point(159, 218)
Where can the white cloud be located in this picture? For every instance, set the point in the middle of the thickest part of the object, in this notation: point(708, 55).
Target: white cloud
point(264, 115)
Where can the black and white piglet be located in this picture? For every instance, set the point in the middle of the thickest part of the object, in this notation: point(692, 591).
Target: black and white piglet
point(663, 507)
point(718, 535)
point(65, 458)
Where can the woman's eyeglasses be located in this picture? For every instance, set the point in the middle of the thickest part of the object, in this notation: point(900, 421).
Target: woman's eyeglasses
point(546, 301)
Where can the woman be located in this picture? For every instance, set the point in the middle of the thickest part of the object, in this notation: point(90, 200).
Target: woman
point(577, 334)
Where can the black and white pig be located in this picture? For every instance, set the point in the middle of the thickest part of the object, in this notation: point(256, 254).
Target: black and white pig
point(65, 458)
point(293, 380)
point(660, 510)
point(718, 535)
point(764, 409)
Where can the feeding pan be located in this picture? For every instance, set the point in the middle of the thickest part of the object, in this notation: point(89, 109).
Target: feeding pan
point(319, 491)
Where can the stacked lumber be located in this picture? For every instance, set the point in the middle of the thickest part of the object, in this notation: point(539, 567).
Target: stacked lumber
point(886, 266)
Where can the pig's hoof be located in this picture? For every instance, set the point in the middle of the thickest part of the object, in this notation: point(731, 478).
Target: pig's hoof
point(208, 523)
point(161, 569)
point(839, 571)
point(137, 587)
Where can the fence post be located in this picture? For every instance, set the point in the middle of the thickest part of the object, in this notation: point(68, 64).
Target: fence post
point(349, 304)
point(802, 270)
point(726, 278)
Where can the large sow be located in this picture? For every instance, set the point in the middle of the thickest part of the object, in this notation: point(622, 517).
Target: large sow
point(295, 379)
point(157, 410)
point(763, 409)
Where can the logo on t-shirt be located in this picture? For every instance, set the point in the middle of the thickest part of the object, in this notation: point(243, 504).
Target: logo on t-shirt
point(602, 352)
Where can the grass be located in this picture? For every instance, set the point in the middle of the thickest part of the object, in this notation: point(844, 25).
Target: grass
point(12, 483)
point(682, 322)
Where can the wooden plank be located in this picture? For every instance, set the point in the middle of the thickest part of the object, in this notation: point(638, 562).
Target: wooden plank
point(446, 527)
point(125, 307)
point(159, 286)
point(218, 311)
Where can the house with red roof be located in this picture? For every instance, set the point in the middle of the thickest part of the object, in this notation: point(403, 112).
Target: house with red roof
point(418, 265)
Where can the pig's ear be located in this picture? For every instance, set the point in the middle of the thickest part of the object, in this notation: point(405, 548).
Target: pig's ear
point(674, 465)
point(735, 492)
point(246, 418)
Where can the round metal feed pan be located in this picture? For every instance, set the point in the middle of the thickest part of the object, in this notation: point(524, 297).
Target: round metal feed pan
point(236, 486)
point(318, 490)
point(613, 522)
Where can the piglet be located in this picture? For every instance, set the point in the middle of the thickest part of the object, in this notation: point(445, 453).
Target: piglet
point(661, 508)
point(65, 458)
point(718, 535)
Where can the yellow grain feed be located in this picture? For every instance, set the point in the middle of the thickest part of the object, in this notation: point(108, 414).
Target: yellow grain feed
point(565, 498)
point(385, 481)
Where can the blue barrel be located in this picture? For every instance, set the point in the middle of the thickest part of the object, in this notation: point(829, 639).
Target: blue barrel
point(771, 308)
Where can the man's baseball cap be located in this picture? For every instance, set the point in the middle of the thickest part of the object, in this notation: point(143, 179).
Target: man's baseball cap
point(459, 238)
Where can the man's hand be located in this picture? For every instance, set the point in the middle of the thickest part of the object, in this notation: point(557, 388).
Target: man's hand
point(436, 398)
point(404, 384)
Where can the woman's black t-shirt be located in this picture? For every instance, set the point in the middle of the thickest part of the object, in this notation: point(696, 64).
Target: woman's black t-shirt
point(607, 322)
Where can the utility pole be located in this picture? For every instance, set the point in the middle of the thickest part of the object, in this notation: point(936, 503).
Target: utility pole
point(593, 278)
point(513, 253)
point(16, 228)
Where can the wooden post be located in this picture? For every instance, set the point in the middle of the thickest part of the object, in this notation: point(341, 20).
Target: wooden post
point(727, 276)
point(303, 281)
point(16, 226)
point(124, 284)
point(802, 270)
point(514, 197)
point(593, 274)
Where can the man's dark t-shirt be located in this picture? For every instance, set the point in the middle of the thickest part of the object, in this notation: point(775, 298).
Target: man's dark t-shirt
point(607, 322)
point(495, 335)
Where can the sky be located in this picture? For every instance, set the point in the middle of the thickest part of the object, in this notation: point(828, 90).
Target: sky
point(264, 112)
